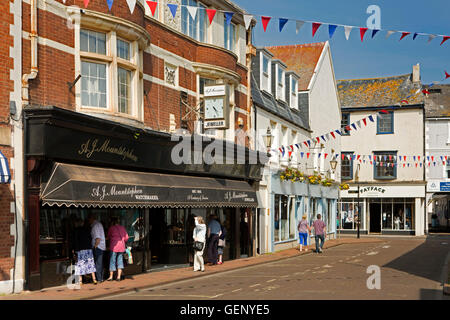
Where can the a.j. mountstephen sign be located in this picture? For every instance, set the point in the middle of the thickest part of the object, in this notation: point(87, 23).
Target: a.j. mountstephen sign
point(89, 148)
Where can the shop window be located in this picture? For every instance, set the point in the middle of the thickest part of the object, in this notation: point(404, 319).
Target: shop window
point(109, 73)
point(345, 121)
point(385, 123)
point(347, 166)
point(174, 224)
point(349, 210)
point(292, 220)
point(447, 169)
point(284, 218)
point(385, 166)
point(386, 213)
point(276, 232)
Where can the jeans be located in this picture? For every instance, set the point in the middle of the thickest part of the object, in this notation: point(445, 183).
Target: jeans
point(98, 258)
point(322, 240)
point(116, 256)
point(212, 248)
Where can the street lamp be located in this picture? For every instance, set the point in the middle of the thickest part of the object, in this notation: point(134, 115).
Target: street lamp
point(268, 138)
point(357, 181)
point(333, 165)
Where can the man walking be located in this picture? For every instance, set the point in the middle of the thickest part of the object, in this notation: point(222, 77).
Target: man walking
point(319, 232)
point(214, 232)
point(98, 244)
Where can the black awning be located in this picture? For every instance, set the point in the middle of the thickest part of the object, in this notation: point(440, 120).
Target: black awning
point(84, 186)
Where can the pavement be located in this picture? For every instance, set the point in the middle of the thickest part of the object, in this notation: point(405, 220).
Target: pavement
point(136, 283)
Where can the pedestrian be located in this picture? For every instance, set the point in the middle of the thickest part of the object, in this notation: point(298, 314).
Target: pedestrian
point(118, 237)
point(199, 235)
point(213, 239)
point(319, 232)
point(303, 231)
point(82, 248)
point(221, 244)
point(98, 244)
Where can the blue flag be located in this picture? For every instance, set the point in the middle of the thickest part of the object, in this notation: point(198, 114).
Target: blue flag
point(302, 154)
point(228, 16)
point(371, 118)
point(415, 35)
point(374, 32)
point(282, 23)
point(173, 9)
point(110, 3)
point(331, 30)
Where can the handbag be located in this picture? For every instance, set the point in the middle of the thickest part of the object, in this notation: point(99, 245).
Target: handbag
point(221, 243)
point(198, 246)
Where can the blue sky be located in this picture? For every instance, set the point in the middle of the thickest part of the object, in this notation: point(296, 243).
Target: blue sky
point(374, 57)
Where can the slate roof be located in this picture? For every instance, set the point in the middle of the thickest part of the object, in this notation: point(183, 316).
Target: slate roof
point(437, 104)
point(386, 91)
point(301, 58)
point(281, 109)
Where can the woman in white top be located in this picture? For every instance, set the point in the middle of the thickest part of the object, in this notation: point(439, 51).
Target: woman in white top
point(200, 236)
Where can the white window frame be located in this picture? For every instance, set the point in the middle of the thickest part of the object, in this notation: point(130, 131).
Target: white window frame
point(201, 10)
point(227, 29)
point(281, 86)
point(293, 94)
point(266, 76)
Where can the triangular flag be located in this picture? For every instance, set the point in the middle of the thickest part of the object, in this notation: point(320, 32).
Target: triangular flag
point(404, 34)
point(319, 155)
point(309, 143)
point(347, 30)
point(332, 133)
point(290, 154)
point(131, 5)
point(331, 30)
point(362, 32)
point(192, 11)
point(354, 126)
point(365, 121)
point(228, 17)
point(282, 23)
point(247, 20)
point(265, 21)
point(343, 157)
point(389, 33)
point(307, 155)
point(211, 13)
point(358, 123)
point(431, 37)
point(318, 139)
point(152, 5)
point(444, 38)
point(173, 9)
point(297, 145)
point(374, 32)
point(326, 155)
point(110, 3)
point(302, 153)
point(418, 158)
point(305, 143)
point(327, 136)
point(338, 132)
point(415, 36)
point(371, 118)
point(315, 27)
point(447, 75)
point(298, 26)
point(323, 138)
point(86, 2)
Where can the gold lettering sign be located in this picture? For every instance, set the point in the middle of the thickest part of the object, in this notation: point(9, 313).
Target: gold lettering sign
point(89, 148)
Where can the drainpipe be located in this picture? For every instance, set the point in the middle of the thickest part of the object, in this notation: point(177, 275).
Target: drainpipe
point(25, 102)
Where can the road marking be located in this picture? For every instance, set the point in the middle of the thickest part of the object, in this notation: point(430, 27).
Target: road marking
point(327, 266)
point(386, 247)
point(271, 280)
point(284, 276)
point(236, 290)
point(255, 285)
point(341, 260)
point(175, 295)
point(316, 268)
point(372, 253)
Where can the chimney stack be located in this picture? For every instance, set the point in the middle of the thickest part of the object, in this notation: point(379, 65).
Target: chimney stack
point(416, 73)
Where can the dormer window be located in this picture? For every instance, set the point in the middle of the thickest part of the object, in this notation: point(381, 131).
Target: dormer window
point(294, 93)
point(265, 70)
point(280, 83)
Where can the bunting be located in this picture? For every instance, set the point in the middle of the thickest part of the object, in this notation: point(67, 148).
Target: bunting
point(331, 30)
point(173, 9)
point(131, 5)
point(211, 14)
point(228, 17)
point(282, 23)
point(265, 22)
point(315, 27)
point(247, 20)
point(298, 26)
point(152, 5)
point(362, 32)
point(347, 30)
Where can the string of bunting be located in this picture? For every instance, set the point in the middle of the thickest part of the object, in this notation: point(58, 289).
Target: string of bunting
point(315, 25)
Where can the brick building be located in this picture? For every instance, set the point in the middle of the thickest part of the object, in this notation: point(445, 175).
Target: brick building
point(72, 77)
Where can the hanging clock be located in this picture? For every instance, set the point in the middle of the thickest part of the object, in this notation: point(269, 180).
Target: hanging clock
point(216, 107)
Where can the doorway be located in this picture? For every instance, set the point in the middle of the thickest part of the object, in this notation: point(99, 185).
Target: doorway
point(375, 217)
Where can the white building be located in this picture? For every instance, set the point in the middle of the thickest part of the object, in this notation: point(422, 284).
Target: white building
point(391, 187)
point(437, 145)
point(290, 96)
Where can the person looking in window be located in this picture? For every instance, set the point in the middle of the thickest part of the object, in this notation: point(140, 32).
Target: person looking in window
point(118, 237)
point(82, 248)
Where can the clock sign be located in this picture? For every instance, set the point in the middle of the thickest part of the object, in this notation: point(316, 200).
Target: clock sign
point(216, 107)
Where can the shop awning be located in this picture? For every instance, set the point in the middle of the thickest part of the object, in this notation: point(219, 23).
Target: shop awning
point(84, 186)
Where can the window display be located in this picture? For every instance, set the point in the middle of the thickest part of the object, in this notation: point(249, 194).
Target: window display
point(284, 218)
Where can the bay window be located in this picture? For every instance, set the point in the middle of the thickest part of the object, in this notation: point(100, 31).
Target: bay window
point(194, 28)
point(230, 36)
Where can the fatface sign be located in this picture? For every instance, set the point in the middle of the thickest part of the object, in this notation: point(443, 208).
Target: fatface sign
point(371, 191)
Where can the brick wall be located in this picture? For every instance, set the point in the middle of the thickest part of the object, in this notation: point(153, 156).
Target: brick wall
point(6, 87)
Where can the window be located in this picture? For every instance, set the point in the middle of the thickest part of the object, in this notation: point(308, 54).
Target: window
point(265, 77)
point(385, 165)
point(294, 100)
point(385, 123)
point(98, 64)
point(195, 29)
point(280, 83)
point(284, 218)
point(345, 121)
point(447, 169)
point(347, 166)
point(349, 212)
point(230, 36)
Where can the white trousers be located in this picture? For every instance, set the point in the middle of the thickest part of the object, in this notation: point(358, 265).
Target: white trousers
point(199, 263)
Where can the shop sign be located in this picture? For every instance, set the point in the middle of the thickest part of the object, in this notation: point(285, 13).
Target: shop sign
point(438, 186)
point(90, 148)
point(445, 186)
point(231, 196)
point(372, 191)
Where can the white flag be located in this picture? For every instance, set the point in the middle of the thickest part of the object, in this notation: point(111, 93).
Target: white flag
point(298, 26)
point(359, 123)
point(431, 37)
point(389, 33)
point(192, 11)
point(131, 4)
point(347, 30)
point(328, 136)
point(247, 20)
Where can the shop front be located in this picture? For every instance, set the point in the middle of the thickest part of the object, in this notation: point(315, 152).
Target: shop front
point(88, 166)
point(384, 209)
point(292, 200)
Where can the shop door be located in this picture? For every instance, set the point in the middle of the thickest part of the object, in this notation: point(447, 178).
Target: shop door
point(244, 228)
point(375, 217)
point(156, 235)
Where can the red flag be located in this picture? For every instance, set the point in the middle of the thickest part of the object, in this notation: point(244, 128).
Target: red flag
point(86, 2)
point(444, 38)
point(405, 101)
point(307, 155)
point(326, 155)
point(432, 158)
point(404, 34)
point(315, 27)
point(419, 158)
point(416, 165)
point(371, 162)
point(445, 158)
point(305, 143)
point(429, 164)
point(425, 91)
point(384, 111)
point(343, 157)
point(290, 154)
point(362, 32)
point(365, 121)
point(152, 5)
point(403, 165)
point(390, 158)
point(443, 163)
point(348, 128)
point(447, 75)
point(211, 13)
point(332, 134)
point(357, 158)
point(318, 140)
point(265, 22)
